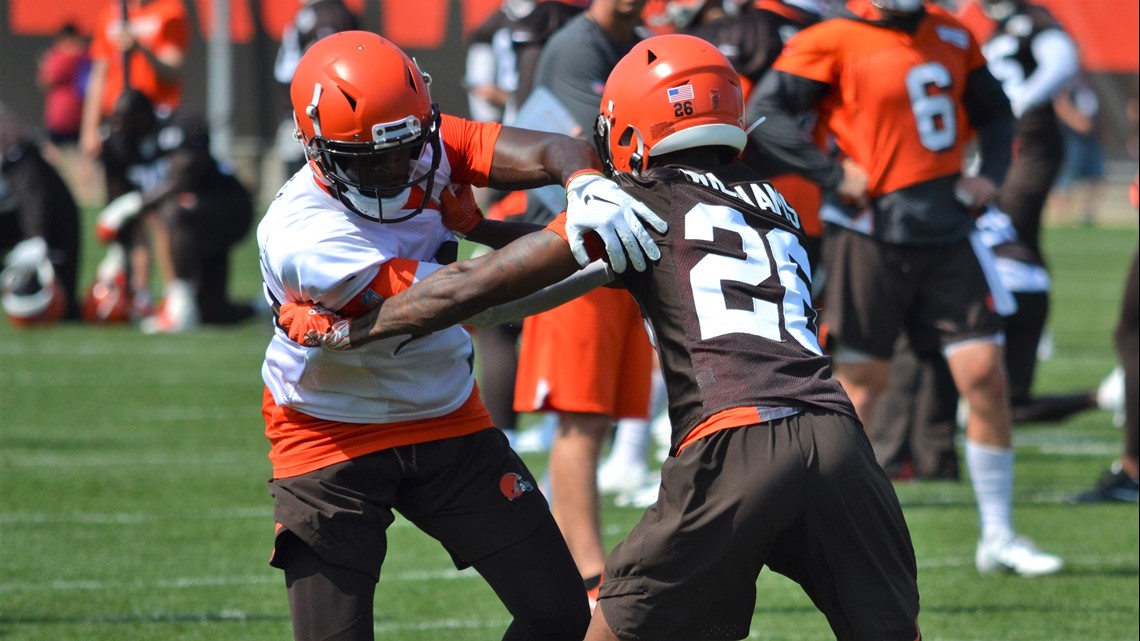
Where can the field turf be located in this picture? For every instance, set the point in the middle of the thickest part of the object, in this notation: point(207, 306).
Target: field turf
point(133, 503)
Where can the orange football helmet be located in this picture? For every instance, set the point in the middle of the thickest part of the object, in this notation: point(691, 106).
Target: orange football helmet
point(669, 93)
point(365, 116)
point(108, 300)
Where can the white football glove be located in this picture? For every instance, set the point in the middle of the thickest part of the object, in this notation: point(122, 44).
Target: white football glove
point(595, 203)
point(116, 214)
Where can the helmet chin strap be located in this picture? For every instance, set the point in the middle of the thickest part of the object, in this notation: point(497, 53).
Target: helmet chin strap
point(435, 151)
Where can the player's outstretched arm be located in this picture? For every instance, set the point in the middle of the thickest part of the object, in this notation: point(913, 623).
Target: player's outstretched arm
point(457, 293)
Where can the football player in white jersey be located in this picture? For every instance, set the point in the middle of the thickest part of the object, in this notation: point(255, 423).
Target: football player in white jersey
point(398, 424)
point(768, 463)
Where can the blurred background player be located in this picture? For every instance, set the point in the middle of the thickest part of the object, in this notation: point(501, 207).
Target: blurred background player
point(897, 246)
point(917, 417)
point(185, 210)
point(314, 20)
point(1034, 59)
point(39, 230)
point(1078, 189)
point(144, 50)
point(589, 360)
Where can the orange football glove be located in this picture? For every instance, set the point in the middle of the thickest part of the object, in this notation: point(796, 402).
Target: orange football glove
point(459, 210)
point(312, 325)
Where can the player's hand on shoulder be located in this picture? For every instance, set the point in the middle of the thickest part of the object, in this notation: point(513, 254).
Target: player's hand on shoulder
point(313, 325)
point(596, 204)
point(974, 192)
point(459, 210)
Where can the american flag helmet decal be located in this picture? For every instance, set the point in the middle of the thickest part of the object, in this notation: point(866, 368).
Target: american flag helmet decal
point(677, 94)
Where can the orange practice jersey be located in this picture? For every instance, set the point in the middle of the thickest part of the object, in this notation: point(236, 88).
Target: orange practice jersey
point(159, 26)
point(896, 100)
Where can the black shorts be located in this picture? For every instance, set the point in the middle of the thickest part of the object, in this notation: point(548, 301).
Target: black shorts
point(876, 290)
point(472, 493)
point(802, 495)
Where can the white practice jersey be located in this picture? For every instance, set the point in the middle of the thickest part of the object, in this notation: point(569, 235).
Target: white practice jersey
point(313, 249)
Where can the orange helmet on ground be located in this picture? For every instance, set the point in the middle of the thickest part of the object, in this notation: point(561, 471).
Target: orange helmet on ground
point(669, 93)
point(108, 300)
point(365, 116)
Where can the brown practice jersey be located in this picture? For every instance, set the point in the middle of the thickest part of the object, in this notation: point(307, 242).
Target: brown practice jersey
point(753, 39)
point(896, 103)
point(729, 303)
point(1011, 59)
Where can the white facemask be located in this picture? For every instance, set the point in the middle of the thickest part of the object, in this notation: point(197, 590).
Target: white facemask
point(377, 208)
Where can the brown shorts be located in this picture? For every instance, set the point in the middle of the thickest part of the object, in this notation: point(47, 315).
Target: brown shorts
point(802, 495)
point(471, 493)
point(876, 290)
point(590, 355)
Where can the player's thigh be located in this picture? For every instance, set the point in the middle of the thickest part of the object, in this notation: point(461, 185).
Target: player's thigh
point(341, 511)
point(955, 300)
point(854, 554)
point(472, 493)
point(688, 569)
point(571, 357)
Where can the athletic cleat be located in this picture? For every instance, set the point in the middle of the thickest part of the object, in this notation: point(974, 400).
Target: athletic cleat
point(165, 323)
point(1110, 395)
point(1114, 486)
point(1015, 555)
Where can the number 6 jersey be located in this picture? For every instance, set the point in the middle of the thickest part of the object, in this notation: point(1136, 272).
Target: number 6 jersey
point(900, 97)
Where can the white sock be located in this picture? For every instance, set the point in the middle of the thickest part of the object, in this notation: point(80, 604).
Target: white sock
point(179, 303)
point(631, 442)
point(991, 473)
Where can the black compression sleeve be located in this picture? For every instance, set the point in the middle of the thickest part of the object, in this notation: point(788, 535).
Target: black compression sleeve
point(987, 108)
point(779, 145)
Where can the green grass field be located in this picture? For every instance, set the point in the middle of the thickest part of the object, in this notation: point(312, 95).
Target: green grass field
point(133, 502)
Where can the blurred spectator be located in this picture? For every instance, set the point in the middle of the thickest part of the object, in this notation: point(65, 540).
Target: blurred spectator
point(62, 74)
point(153, 38)
point(39, 222)
point(185, 207)
point(491, 73)
point(1077, 109)
point(314, 20)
